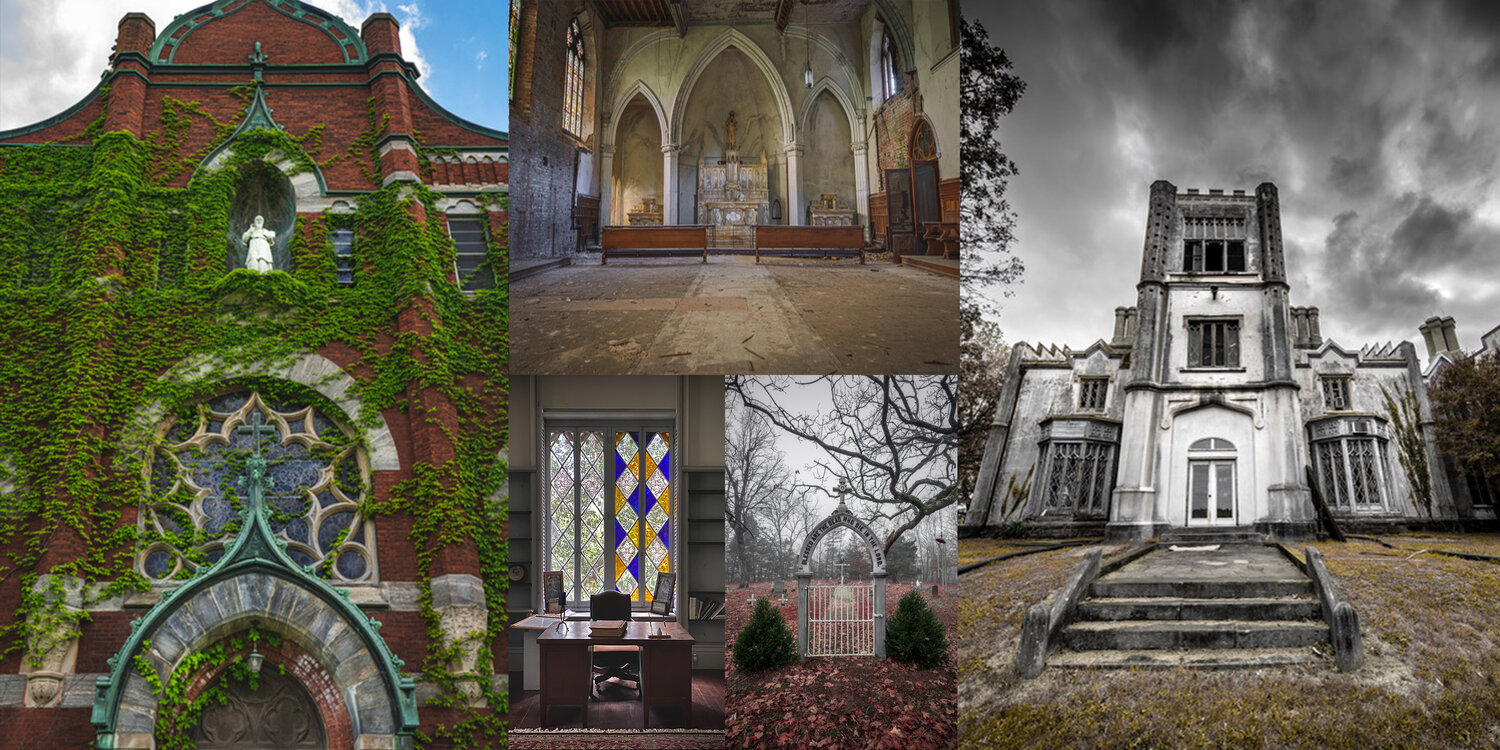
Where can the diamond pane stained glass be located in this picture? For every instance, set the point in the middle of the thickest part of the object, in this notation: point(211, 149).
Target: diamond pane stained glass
point(616, 492)
point(318, 476)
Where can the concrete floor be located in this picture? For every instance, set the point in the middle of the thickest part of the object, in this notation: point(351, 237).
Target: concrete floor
point(730, 316)
point(1230, 562)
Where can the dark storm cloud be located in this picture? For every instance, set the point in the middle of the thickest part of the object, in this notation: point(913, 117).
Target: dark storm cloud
point(1373, 118)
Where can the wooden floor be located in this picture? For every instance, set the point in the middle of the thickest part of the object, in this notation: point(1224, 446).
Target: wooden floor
point(620, 708)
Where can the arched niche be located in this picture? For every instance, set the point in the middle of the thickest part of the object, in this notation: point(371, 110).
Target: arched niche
point(637, 167)
point(262, 190)
point(827, 163)
point(733, 79)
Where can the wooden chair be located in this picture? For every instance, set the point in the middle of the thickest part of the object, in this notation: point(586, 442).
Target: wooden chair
point(619, 662)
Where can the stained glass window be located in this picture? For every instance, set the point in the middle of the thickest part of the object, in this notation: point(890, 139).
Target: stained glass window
point(515, 33)
point(890, 78)
point(318, 474)
point(622, 544)
point(573, 87)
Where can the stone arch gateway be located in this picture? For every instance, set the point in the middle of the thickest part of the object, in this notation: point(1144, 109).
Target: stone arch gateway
point(840, 620)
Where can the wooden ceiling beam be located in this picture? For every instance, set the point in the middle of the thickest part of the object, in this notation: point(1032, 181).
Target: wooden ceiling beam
point(783, 14)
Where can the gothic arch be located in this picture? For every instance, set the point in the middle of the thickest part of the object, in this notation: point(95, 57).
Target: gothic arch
point(842, 517)
point(311, 369)
point(734, 38)
point(827, 84)
point(895, 23)
point(623, 100)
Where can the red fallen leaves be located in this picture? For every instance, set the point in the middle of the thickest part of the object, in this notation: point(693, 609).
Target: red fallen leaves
point(840, 703)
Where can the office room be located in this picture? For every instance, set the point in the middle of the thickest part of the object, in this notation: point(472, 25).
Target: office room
point(616, 514)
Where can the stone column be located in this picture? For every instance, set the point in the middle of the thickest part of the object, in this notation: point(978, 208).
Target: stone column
point(804, 580)
point(794, 206)
point(879, 624)
point(861, 183)
point(458, 599)
point(53, 649)
point(607, 183)
point(669, 153)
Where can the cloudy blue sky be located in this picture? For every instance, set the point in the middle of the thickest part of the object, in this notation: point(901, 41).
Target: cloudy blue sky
point(51, 53)
point(1379, 121)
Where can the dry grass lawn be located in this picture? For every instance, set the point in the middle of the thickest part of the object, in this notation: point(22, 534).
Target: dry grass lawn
point(1431, 678)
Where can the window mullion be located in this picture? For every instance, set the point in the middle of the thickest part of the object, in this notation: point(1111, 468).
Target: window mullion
point(577, 517)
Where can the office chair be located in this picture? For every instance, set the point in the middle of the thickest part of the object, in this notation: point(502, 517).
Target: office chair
point(613, 661)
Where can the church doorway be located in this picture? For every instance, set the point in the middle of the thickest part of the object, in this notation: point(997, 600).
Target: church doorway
point(278, 713)
point(1211, 480)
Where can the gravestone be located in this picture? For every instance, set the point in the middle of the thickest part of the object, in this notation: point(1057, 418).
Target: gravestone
point(779, 589)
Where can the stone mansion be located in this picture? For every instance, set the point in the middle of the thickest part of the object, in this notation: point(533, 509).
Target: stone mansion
point(1211, 400)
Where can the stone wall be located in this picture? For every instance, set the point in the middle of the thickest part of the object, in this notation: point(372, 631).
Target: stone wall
point(545, 156)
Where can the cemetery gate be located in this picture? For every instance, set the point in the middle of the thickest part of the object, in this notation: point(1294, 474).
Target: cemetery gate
point(843, 619)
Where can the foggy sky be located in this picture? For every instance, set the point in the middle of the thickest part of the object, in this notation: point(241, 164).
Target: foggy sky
point(1376, 120)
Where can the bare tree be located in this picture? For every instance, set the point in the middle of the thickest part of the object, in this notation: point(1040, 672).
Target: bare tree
point(891, 439)
point(755, 474)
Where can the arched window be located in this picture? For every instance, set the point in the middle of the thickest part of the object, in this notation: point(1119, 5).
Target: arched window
point(515, 37)
point(573, 91)
point(890, 78)
point(318, 471)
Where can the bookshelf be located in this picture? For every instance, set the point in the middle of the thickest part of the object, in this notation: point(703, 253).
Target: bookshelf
point(704, 563)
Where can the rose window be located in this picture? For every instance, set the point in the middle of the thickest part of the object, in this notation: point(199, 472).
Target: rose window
point(318, 476)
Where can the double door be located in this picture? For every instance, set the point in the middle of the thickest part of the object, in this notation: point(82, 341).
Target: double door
point(1211, 500)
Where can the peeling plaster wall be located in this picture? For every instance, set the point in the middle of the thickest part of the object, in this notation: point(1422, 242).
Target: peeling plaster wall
point(730, 82)
point(827, 165)
point(638, 160)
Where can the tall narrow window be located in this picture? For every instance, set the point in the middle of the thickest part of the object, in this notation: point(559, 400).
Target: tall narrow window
point(573, 88)
point(515, 36)
point(343, 256)
point(1352, 472)
point(1335, 392)
point(1213, 343)
point(1092, 393)
point(609, 510)
point(471, 254)
point(889, 75)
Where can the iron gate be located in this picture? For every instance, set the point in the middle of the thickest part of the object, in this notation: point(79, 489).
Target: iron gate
point(841, 620)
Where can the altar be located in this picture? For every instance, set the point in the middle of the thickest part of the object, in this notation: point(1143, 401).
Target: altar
point(733, 196)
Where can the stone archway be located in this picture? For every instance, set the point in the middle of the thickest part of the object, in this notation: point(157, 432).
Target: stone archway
point(842, 517)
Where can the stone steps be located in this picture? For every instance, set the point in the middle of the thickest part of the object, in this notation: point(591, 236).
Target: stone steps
point(1197, 634)
point(1204, 589)
point(1197, 537)
point(1237, 607)
point(1167, 608)
point(1250, 658)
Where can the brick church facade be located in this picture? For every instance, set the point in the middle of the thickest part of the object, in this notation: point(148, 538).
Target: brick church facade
point(150, 361)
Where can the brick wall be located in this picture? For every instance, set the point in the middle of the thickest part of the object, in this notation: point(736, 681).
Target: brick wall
point(545, 155)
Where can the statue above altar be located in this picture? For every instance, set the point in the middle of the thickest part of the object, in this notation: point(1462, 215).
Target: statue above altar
point(733, 196)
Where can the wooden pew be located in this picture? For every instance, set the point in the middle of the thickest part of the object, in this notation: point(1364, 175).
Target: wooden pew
point(647, 241)
point(795, 241)
point(941, 238)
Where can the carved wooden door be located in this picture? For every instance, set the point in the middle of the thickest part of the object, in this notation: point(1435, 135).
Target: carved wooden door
point(279, 714)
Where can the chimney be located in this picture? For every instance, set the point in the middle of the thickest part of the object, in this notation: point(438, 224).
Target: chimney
point(137, 33)
point(1450, 336)
point(1314, 331)
point(1432, 332)
point(1119, 337)
point(381, 34)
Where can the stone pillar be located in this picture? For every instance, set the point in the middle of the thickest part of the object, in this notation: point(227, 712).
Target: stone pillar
point(804, 580)
point(398, 154)
point(879, 624)
point(1314, 332)
point(607, 183)
point(794, 205)
point(458, 600)
point(1450, 335)
point(1432, 336)
point(669, 152)
point(861, 184)
point(52, 651)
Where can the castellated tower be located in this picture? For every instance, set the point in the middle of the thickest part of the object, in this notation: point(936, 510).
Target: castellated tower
point(1211, 414)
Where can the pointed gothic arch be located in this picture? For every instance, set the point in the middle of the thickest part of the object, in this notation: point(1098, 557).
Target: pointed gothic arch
point(638, 87)
point(826, 84)
point(842, 517)
point(757, 56)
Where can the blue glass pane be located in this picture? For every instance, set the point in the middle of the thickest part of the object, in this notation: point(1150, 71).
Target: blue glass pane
point(323, 426)
point(158, 563)
point(182, 430)
point(294, 476)
point(301, 557)
point(163, 474)
point(348, 476)
point(214, 425)
point(229, 402)
point(331, 527)
point(296, 530)
point(213, 555)
point(173, 519)
point(284, 508)
point(218, 511)
point(297, 426)
point(351, 565)
point(326, 498)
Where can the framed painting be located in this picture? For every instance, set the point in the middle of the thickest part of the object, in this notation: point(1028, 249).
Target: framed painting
point(661, 600)
point(552, 588)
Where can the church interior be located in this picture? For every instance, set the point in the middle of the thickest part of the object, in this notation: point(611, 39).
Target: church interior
point(736, 157)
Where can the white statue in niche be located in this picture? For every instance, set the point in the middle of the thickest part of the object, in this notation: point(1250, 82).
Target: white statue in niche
point(259, 240)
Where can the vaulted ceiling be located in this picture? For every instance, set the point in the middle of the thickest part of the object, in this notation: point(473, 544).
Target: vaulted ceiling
point(684, 13)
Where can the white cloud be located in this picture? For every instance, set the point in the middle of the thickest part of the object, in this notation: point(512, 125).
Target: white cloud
point(479, 59)
point(49, 59)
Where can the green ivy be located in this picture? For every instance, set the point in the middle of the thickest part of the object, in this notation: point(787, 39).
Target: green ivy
point(110, 278)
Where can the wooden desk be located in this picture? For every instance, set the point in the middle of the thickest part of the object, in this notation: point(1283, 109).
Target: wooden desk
point(666, 666)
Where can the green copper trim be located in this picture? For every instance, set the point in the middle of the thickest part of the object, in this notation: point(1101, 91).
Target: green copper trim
point(255, 549)
point(164, 49)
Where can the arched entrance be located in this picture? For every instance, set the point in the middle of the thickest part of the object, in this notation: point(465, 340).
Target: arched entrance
point(843, 619)
point(277, 712)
